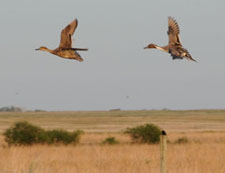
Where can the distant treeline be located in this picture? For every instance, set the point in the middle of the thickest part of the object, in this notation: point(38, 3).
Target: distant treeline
point(16, 109)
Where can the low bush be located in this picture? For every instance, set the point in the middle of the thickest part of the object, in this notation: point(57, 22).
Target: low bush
point(182, 140)
point(110, 141)
point(62, 136)
point(148, 133)
point(24, 133)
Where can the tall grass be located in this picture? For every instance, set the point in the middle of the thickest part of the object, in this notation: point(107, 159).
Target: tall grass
point(204, 152)
point(198, 155)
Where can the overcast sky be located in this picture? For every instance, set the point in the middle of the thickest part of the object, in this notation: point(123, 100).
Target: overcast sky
point(116, 72)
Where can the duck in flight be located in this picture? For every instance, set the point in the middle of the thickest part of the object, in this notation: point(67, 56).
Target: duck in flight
point(65, 49)
point(174, 47)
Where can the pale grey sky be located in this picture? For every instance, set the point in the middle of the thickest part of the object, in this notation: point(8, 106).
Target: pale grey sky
point(116, 65)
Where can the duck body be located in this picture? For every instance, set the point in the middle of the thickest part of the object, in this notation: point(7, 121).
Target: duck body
point(174, 47)
point(68, 54)
point(178, 52)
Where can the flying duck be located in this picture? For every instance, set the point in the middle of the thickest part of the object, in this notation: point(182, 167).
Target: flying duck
point(174, 46)
point(65, 49)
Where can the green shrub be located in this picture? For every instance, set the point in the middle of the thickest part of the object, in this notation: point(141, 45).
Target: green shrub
point(24, 133)
point(110, 141)
point(62, 136)
point(148, 133)
point(182, 140)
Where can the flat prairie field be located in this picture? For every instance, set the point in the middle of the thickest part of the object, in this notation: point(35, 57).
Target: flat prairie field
point(203, 152)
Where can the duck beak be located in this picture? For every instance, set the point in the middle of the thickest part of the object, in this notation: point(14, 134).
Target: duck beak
point(37, 49)
point(145, 47)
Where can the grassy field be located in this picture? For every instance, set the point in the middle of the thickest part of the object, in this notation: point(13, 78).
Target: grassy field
point(204, 151)
point(115, 121)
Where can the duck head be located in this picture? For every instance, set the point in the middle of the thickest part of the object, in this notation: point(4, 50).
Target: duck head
point(150, 46)
point(42, 48)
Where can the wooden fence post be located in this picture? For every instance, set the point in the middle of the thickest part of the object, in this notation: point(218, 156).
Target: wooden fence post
point(163, 147)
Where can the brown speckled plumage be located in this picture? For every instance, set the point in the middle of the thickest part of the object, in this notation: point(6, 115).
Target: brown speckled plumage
point(174, 46)
point(65, 49)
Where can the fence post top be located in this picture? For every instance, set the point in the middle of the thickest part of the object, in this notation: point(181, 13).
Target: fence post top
point(163, 132)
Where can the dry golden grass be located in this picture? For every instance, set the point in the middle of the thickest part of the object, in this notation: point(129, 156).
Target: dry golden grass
point(204, 153)
point(115, 121)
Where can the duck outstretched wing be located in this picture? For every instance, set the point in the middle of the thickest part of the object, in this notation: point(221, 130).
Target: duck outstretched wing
point(66, 34)
point(173, 32)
